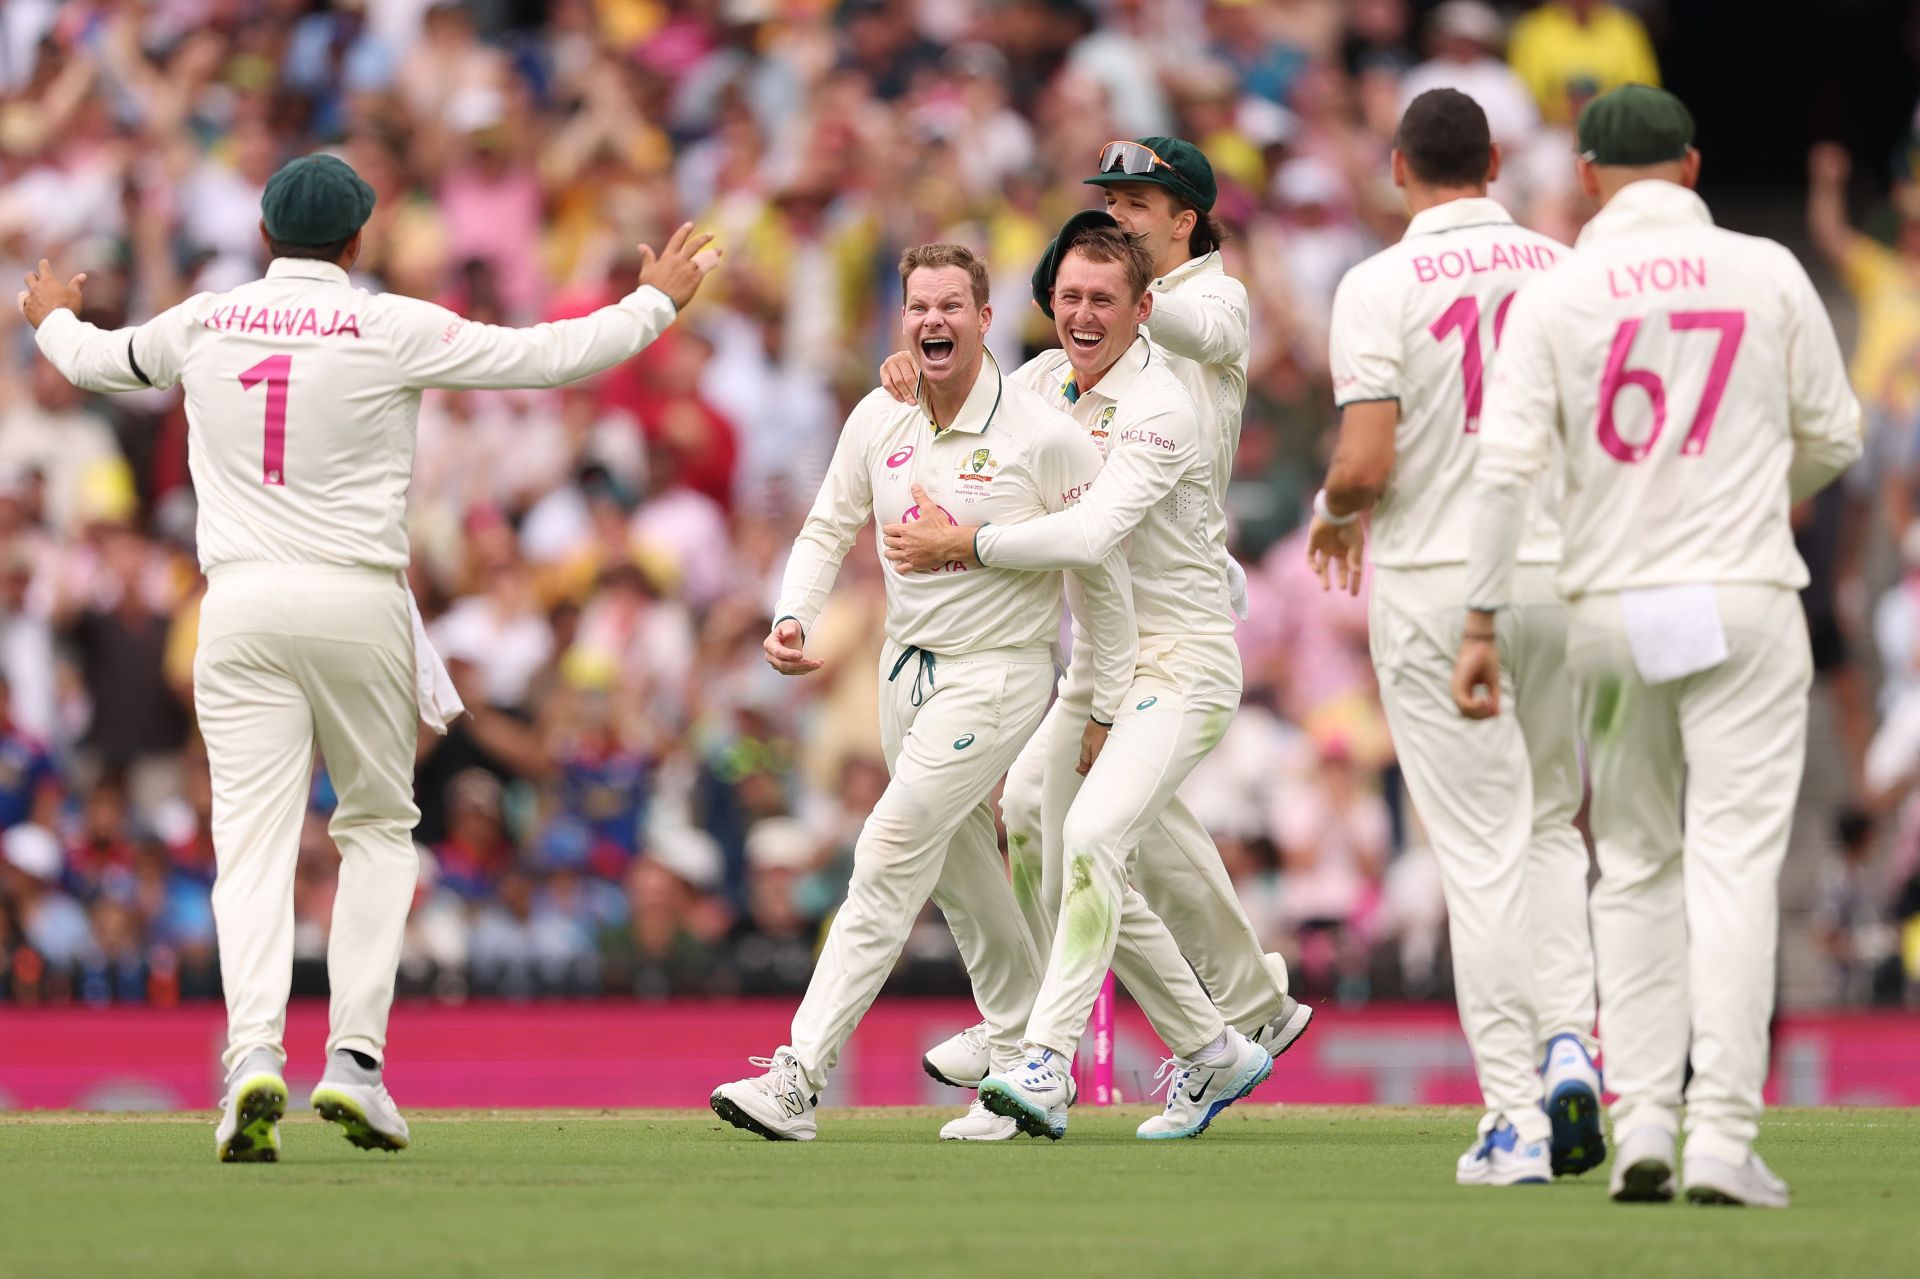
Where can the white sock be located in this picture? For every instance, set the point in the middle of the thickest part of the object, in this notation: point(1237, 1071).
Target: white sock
point(1215, 1053)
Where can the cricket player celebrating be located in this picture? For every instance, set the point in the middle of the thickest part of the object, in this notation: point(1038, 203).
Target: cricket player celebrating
point(964, 674)
point(1160, 190)
point(1689, 380)
point(1154, 490)
point(1412, 329)
point(302, 393)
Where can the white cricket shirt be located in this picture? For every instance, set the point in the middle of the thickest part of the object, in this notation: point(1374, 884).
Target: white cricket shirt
point(1199, 326)
point(1693, 380)
point(1007, 457)
point(1419, 323)
point(1154, 499)
point(303, 394)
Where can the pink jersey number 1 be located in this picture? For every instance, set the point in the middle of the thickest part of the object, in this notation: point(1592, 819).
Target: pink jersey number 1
point(275, 371)
point(1464, 315)
point(1732, 326)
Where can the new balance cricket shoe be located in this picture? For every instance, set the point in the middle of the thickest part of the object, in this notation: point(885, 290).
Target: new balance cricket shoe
point(1570, 1084)
point(1749, 1184)
point(249, 1128)
point(353, 1096)
point(1286, 1027)
point(1643, 1167)
point(1033, 1094)
point(1197, 1091)
point(961, 1061)
point(980, 1124)
point(1498, 1157)
point(778, 1105)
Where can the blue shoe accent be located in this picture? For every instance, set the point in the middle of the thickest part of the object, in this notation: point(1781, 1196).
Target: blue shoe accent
point(1250, 1079)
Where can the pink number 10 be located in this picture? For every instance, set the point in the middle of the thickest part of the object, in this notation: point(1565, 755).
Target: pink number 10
point(275, 371)
point(1732, 325)
point(1464, 315)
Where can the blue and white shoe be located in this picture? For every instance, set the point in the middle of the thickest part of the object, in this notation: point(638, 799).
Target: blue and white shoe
point(1197, 1092)
point(1498, 1157)
point(1570, 1084)
point(1033, 1094)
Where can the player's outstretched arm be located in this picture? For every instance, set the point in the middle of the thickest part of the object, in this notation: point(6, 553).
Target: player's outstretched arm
point(436, 348)
point(843, 505)
point(1207, 324)
point(96, 359)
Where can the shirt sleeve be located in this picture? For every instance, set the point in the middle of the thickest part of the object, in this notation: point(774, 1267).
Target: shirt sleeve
point(1826, 419)
point(132, 359)
point(1147, 457)
point(843, 505)
point(1100, 596)
point(433, 347)
point(1365, 346)
point(1206, 322)
point(1516, 446)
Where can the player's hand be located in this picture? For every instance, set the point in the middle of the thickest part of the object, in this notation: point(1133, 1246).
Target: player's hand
point(1476, 678)
point(1337, 551)
point(783, 649)
point(1092, 739)
point(901, 377)
point(681, 266)
point(928, 541)
point(45, 294)
point(1237, 589)
point(1828, 164)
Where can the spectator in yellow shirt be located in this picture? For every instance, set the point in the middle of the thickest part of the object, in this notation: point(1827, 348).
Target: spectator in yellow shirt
point(1569, 51)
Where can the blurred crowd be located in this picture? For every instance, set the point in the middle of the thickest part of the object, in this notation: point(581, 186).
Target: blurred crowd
point(637, 804)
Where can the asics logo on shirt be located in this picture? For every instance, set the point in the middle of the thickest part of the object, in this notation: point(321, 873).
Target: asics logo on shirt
point(897, 460)
point(1143, 705)
point(963, 741)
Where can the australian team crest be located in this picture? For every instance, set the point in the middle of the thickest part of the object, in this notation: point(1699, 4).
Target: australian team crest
point(979, 467)
point(1106, 419)
point(979, 460)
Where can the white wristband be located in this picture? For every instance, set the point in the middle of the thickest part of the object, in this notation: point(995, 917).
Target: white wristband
point(1321, 509)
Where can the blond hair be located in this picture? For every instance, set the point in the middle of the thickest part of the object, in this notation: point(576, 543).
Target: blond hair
point(939, 255)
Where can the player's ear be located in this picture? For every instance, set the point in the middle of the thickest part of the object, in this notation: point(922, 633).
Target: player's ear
point(1589, 180)
point(1690, 168)
point(265, 238)
point(1397, 165)
point(351, 254)
point(1493, 163)
point(986, 316)
point(1146, 307)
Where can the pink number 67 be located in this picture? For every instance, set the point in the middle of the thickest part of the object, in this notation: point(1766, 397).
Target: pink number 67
point(1731, 325)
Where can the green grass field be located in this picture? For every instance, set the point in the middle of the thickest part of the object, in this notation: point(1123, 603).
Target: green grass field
point(1269, 1190)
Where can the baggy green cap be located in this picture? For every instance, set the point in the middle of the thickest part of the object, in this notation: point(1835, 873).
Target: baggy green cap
point(316, 199)
point(1635, 125)
point(1049, 265)
point(1186, 172)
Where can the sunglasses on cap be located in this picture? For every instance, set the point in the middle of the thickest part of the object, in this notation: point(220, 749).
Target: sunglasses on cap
point(1131, 158)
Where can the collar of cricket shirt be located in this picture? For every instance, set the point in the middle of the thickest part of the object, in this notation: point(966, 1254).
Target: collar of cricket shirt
point(977, 410)
point(1205, 264)
point(1121, 373)
point(305, 269)
point(1457, 215)
point(1643, 205)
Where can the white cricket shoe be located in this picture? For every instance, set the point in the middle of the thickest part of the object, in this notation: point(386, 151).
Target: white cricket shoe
point(1286, 1027)
point(1498, 1157)
point(1034, 1095)
point(980, 1124)
point(1750, 1184)
point(1570, 1089)
point(961, 1061)
point(354, 1097)
point(1643, 1167)
point(778, 1105)
point(1197, 1092)
point(249, 1128)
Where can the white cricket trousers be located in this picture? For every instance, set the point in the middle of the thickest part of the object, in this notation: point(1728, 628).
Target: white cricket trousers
point(1686, 919)
point(949, 726)
point(1178, 872)
point(1498, 797)
point(1183, 696)
point(290, 657)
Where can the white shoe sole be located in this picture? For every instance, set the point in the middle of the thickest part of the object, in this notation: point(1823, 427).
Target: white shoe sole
point(926, 1064)
point(740, 1117)
point(1290, 1033)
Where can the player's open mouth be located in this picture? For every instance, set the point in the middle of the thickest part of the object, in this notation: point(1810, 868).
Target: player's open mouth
point(936, 351)
point(1084, 340)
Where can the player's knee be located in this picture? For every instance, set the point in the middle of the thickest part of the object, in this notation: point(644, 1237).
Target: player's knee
point(1087, 836)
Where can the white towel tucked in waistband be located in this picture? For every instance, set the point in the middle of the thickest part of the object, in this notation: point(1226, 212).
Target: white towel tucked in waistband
point(433, 689)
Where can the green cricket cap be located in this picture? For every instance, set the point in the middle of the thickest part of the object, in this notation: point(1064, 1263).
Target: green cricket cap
point(316, 199)
point(1635, 125)
point(1049, 265)
point(1185, 172)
